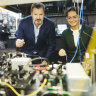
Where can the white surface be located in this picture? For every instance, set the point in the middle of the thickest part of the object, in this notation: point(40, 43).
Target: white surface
point(20, 61)
point(61, 28)
point(77, 1)
point(13, 2)
point(77, 78)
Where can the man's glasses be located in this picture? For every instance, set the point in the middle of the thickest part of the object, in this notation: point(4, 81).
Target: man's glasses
point(72, 18)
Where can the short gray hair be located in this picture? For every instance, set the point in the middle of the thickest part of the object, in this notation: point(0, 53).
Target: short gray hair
point(37, 5)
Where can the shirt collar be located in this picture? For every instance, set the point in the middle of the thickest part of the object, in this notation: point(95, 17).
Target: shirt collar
point(77, 29)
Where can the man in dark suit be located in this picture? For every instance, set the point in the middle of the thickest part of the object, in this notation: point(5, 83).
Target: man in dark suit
point(36, 33)
point(4, 34)
point(75, 37)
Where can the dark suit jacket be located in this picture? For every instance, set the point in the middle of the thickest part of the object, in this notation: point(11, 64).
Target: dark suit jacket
point(46, 40)
point(4, 35)
point(69, 46)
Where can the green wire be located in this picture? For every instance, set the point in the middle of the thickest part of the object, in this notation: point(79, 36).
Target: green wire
point(50, 79)
point(50, 87)
point(61, 82)
point(64, 92)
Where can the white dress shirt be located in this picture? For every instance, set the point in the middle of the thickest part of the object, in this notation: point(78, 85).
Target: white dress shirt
point(76, 35)
point(36, 32)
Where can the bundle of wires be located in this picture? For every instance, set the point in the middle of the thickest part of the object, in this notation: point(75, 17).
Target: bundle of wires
point(78, 44)
point(32, 94)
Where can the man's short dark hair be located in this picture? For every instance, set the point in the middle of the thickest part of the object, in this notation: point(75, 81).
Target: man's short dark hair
point(71, 9)
point(37, 5)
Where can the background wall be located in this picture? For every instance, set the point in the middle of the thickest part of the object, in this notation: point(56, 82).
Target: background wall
point(88, 19)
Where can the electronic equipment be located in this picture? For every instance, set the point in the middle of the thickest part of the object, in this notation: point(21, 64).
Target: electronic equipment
point(17, 72)
point(61, 28)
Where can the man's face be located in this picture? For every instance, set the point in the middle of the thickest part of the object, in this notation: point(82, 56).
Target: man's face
point(5, 22)
point(38, 16)
point(73, 19)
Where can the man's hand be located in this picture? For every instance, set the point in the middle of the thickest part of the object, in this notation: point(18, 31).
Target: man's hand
point(2, 30)
point(44, 62)
point(62, 52)
point(20, 42)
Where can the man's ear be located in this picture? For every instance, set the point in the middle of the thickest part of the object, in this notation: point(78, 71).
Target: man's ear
point(31, 13)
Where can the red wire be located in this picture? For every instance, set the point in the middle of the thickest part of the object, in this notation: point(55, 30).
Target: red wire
point(39, 69)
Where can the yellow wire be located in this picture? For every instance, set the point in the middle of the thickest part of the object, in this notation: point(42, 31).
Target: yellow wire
point(4, 83)
point(32, 94)
point(3, 6)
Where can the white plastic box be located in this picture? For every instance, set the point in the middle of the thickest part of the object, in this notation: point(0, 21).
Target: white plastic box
point(78, 80)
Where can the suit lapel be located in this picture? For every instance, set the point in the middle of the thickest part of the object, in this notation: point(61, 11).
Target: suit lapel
point(71, 38)
point(32, 30)
point(81, 35)
point(40, 32)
